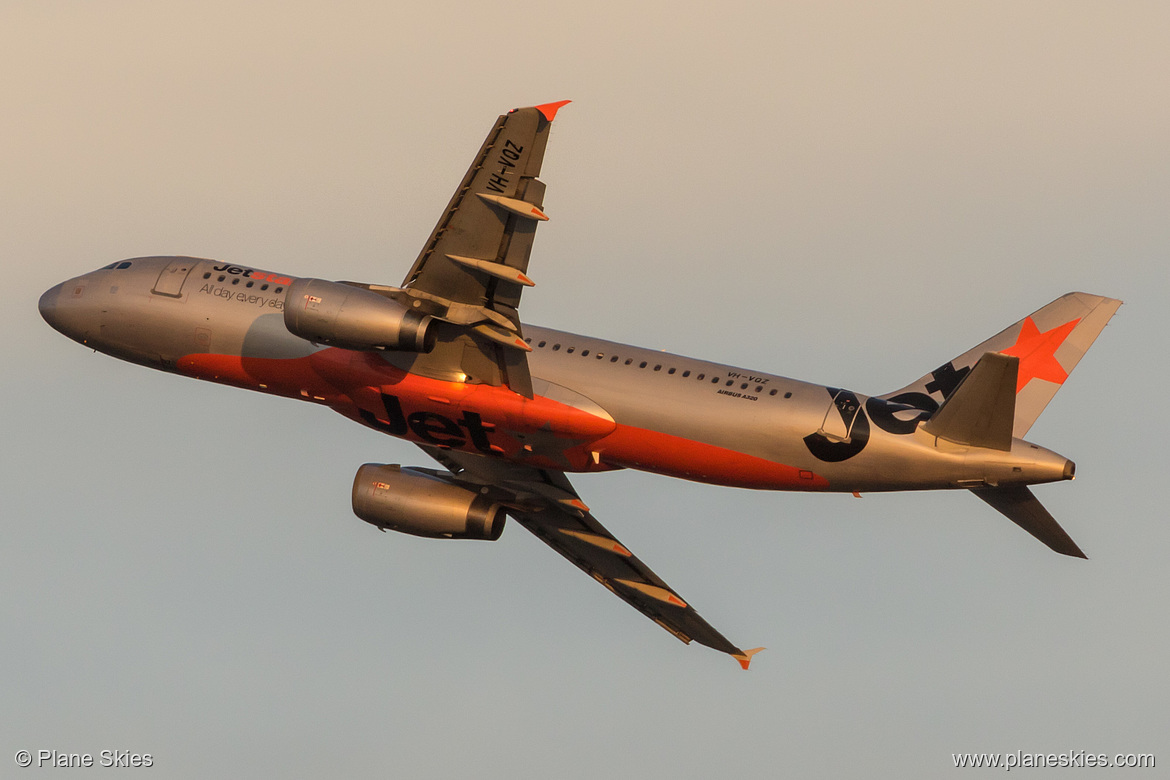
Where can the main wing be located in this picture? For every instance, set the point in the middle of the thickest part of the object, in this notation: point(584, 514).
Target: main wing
point(492, 216)
point(544, 502)
point(473, 267)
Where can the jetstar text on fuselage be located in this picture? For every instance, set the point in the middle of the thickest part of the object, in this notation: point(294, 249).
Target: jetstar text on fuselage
point(252, 273)
point(431, 427)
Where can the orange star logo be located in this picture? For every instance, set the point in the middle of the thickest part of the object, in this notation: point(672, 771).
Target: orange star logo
point(1037, 353)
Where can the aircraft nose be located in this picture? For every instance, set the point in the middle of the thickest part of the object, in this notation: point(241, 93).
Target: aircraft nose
point(48, 306)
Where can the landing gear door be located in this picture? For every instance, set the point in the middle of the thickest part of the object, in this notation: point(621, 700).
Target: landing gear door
point(170, 281)
point(840, 415)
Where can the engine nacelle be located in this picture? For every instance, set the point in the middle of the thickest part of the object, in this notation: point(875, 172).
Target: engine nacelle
point(415, 502)
point(341, 315)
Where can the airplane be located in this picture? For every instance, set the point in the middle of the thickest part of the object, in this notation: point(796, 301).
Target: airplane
point(509, 409)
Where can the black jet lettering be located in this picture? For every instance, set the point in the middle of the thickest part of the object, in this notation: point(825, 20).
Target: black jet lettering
point(435, 429)
point(946, 379)
point(395, 422)
point(431, 427)
point(477, 431)
point(856, 423)
point(233, 269)
point(882, 412)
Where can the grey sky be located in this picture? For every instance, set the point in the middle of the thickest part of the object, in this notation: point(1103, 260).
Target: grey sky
point(849, 193)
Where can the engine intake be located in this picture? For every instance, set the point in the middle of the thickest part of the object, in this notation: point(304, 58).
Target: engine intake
point(416, 501)
point(340, 315)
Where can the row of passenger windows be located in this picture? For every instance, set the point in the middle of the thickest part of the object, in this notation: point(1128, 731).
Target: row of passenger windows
point(236, 280)
point(657, 367)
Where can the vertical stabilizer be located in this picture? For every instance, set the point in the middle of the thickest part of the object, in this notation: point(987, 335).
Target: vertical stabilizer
point(1049, 343)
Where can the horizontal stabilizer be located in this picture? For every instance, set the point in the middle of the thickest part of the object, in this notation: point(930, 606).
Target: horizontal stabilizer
point(1025, 510)
point(982, 409)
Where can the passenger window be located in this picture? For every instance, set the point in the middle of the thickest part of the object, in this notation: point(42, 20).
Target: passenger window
point(658, 367)
point(236, 280)
point(207, 275)
point(279, 289)
point(541, 344)
point(584, 353)
point(613, 359)
point(642, 364)
point(629, 361)
point(701, 377)
point(671, 371)
point(221, 278)
point(263, 287)
point(788, 395)
point(556, 347)
point(570, 350)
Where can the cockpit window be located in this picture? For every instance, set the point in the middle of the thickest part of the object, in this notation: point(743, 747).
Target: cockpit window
point(118, 266)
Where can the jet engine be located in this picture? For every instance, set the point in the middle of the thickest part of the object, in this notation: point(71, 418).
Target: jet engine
point(418, 502)
point(340, 315)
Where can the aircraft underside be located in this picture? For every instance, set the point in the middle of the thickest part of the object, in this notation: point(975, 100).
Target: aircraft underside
point(443, 362)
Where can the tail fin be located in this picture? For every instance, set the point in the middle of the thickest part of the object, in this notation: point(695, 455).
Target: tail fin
point(1049, 343)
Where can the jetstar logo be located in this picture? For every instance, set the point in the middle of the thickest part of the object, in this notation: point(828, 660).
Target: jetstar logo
point(915, 407)
point(252, 273)
point(431, 427)
point(1037, 352)
point(1035, 349)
